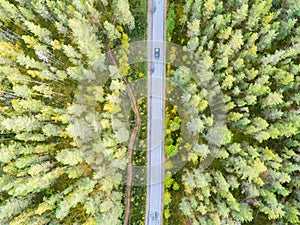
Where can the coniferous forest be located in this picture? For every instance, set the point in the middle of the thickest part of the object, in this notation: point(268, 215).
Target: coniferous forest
point(65, 140)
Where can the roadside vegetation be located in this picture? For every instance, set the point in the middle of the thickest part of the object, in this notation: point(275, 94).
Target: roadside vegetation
point(252, 50)
point(65, 142)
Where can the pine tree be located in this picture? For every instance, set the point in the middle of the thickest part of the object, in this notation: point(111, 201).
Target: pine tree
point(60, 155)
point(250, 48)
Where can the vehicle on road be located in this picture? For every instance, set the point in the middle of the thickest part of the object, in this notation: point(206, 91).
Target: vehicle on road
point(152, 68)
point(156, 53)
point(154, 8)
point(154, 215)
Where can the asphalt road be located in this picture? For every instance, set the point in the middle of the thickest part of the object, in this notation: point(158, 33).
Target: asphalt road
point(156, 92)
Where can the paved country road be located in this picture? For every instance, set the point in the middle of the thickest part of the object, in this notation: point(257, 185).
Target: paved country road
point(156, 91)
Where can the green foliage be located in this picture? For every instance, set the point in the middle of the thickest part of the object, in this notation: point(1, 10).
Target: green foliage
point(83, 188)
point(170, 21)
point(69, 157)
point(252, 49)
point(13, 207)
point(195, 126)
point(47, 48)
point(167, 198)
point(112, 31)
point(123, 14)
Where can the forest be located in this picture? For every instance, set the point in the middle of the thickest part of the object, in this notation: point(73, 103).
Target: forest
point(68, 141)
